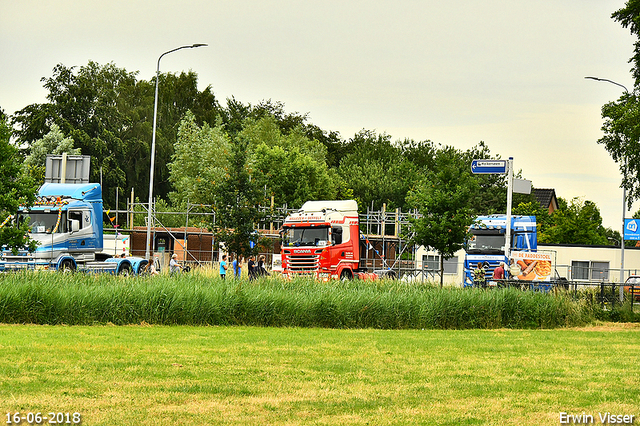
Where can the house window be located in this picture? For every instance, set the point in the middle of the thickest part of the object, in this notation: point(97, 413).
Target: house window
point(432, 263)
point(579, 270)
point(600, 271)
point(586, 270)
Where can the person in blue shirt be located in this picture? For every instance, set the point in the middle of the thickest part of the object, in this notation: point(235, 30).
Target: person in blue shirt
point(223, 267)
point(237, 267)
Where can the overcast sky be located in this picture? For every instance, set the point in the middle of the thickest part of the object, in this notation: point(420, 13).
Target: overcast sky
point(509, 73)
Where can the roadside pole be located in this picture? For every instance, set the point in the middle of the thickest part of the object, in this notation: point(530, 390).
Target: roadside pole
point(507, 237)
point(521, 186)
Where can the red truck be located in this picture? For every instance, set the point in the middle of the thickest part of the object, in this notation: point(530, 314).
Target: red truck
point(322, 240)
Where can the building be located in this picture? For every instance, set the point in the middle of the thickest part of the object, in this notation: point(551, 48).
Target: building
point(547, 199)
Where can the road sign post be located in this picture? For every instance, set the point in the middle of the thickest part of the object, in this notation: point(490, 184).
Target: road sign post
point(489, 166)
point(499, 167)
point(632, 229)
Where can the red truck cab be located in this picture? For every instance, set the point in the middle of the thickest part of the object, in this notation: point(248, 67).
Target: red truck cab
point(322, 240)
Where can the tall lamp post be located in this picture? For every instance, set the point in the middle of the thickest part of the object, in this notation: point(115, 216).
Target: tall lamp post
point(624, 201)
point(153, 144)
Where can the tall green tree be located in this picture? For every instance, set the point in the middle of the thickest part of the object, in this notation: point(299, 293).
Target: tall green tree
point(376, 171)
point(237, 202)
point(576, 222)
point(443, 199)
point(16, 188)
point(290, 167)
point(621, 139)
point(108, 113)
point(543, 219)
point(622, 117)
point(54, 143)
point(199, 163)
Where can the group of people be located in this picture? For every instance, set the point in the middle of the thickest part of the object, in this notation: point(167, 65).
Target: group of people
point(255, 269)
point(480, 274)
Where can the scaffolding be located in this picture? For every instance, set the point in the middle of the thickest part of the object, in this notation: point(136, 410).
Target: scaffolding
point(384, 234)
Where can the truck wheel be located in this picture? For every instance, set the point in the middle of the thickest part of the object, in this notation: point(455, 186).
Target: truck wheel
point(346, 275)
point(125, 270)
point(67, 266)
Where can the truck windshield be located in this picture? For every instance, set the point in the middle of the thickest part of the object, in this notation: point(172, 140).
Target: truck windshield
point(44, 222)
point(296, 237)
point(486, 244)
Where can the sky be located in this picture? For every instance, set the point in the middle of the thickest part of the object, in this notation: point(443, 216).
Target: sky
point(509, 73)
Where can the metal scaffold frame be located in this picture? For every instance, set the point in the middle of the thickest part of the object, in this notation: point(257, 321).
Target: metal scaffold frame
point(385, 232)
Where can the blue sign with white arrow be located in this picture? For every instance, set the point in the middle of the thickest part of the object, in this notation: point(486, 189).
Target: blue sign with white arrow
point(489, 166)
point(632, 229)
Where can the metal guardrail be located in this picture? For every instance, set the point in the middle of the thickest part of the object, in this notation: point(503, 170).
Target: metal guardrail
point(607, 293)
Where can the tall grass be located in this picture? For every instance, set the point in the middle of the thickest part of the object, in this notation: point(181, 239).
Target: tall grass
point(195, 299)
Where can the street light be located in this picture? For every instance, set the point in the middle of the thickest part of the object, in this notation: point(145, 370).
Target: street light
point(624, 199)
point(153, 143)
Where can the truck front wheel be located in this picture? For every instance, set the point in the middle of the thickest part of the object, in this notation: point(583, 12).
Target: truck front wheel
point(346, 275)
point(67, 266)
point(125, 270)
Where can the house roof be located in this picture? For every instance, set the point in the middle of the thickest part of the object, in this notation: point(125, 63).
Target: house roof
point(546, 197)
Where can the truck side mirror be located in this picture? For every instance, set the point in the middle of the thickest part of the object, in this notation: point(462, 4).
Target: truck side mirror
point(75, 225)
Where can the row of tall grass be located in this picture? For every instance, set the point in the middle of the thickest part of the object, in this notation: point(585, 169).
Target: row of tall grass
point(196, 299)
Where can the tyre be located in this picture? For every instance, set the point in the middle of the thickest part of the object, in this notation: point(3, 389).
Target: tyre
point(346, 274)
point(67, 266)
point(125, 269)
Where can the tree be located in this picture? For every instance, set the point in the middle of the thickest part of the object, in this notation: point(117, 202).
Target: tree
point(629, 17)
point(442, 200)
point(577, 222)
point(622, 117)
point(199, 163)
point(16, 188)
point(290, 167)
point(54, 143)
point(88, 105)
point(376, 171)
point(621, 139)
point(237, 202)
point(109, 114)
point(543, 219)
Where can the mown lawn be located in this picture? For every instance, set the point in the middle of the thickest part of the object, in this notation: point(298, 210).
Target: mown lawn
point(150, 375)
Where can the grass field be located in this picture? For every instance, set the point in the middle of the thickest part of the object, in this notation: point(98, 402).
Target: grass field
point(166, 375)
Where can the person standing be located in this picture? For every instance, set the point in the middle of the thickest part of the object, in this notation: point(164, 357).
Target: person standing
point(237, 267)
point(498, 273)
point(479, 278)
point(261, 269)
point(223, 267)
point(251, 267)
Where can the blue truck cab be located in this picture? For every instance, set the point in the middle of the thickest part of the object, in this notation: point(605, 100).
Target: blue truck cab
point(66, 222)
point(486, 243)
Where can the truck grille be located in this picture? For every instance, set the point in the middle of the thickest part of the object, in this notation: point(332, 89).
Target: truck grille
point(303, 264)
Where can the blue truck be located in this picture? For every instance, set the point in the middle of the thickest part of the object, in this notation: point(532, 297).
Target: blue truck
point(66, 222)
point(486, 243)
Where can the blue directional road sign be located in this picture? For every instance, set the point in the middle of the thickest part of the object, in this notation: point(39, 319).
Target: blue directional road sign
point(632, 229)
point(489, 166)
